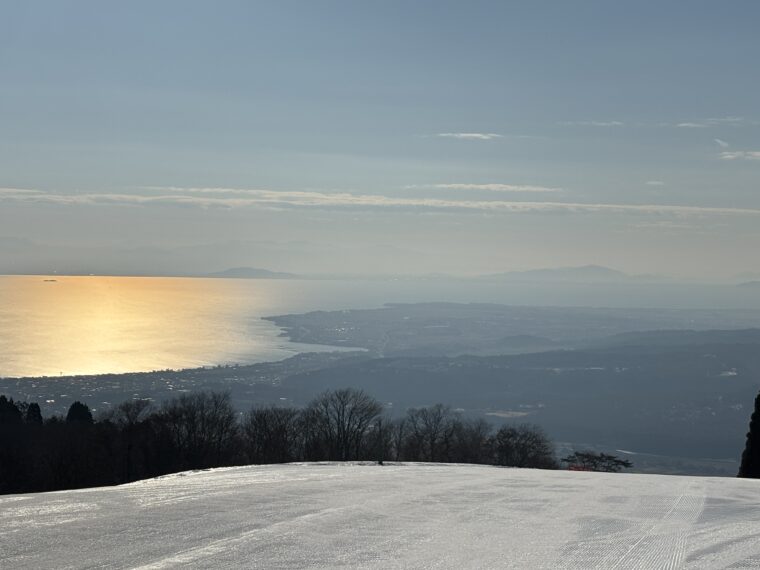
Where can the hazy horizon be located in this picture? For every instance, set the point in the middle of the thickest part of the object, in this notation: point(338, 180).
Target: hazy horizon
point(28, 258)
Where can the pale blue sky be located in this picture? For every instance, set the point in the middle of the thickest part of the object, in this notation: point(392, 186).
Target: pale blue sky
point(460, 136)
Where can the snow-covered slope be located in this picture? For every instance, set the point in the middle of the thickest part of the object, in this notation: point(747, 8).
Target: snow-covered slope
point(401, 516)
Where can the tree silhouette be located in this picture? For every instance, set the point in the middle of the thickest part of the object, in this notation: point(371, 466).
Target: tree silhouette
point(339, 421)
point(9, 412)
point(135, 440)
point(33, 414)
point(202, 428)
point(271, 434)
point(79, 413)
point(750, 465)
point(523, 445)
point(431, 431)
point(592, 461)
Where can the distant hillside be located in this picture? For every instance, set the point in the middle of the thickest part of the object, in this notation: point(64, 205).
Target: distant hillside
point(584, 274)
point(685, 400)
point(251, 273)
point(672, 338)
point(750, 285)
point(437, 329)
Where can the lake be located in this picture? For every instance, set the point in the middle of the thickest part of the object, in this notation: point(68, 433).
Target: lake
point(57, 325)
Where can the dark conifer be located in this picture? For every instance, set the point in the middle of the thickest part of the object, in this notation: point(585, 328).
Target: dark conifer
point(80, 413)
point(33, 414)
point(9, 412)
point(750, 465)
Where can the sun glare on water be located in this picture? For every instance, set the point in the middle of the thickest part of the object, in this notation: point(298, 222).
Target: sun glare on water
point(54, 326)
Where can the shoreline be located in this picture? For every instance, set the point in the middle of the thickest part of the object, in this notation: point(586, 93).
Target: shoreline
point(248, 383)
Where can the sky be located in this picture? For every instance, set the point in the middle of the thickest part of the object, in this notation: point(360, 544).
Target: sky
point(380, 137)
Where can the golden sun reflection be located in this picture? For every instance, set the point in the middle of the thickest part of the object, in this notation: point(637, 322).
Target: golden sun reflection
point(93, 325)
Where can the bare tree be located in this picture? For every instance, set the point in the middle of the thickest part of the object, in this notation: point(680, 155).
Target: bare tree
point(378, 444)
point(127, 416)
point(471, 441)
point(337, 422)
point(202, 426)
point(398, 431)
point(132, 412)
point(430, 432)
point(523, 445)
point(272, 435)
point(593, 461)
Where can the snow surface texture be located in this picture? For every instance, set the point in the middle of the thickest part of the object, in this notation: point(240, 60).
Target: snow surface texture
point(393, 516)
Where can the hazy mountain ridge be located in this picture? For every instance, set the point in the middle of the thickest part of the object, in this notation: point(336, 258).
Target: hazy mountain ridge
point(22, 256)
point(251, 273)
point(581, 274)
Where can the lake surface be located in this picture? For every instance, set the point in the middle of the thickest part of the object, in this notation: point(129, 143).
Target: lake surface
point(92, 325)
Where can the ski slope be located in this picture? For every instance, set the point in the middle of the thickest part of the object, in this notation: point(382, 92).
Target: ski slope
point(393, 516)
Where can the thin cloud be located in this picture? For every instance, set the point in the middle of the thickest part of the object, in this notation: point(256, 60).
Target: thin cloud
point(239, 191)
point(229, 198)
point(740, 155)
point(693, 124)
point(728, 121)
point(471, 136)
point(672, 226)
point(14, 191)
point(721, 143)
point(654, 183)
point(592, 123)
point(487, 187)
point(713, 122)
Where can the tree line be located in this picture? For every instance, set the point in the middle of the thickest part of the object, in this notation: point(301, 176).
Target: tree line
point(138, 440)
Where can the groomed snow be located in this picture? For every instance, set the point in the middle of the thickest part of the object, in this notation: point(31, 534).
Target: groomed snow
point(399, 516)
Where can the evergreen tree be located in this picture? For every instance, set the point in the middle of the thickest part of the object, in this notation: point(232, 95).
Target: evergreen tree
point(33, 414)
point(80, 413)
point(9, 412)
point(750, 465)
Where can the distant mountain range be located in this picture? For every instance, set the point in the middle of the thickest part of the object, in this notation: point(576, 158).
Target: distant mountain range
point(583, 274)
point(251, 273)
point(750, 285)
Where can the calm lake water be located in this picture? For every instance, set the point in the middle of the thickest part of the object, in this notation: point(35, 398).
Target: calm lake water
point(89, 325)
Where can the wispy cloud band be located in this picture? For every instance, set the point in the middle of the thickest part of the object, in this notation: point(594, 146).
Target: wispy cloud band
point(229, 198)
point(689, 124)
point(740, 155)
point(591, 123)
point(493, 187)
point(471, 136)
